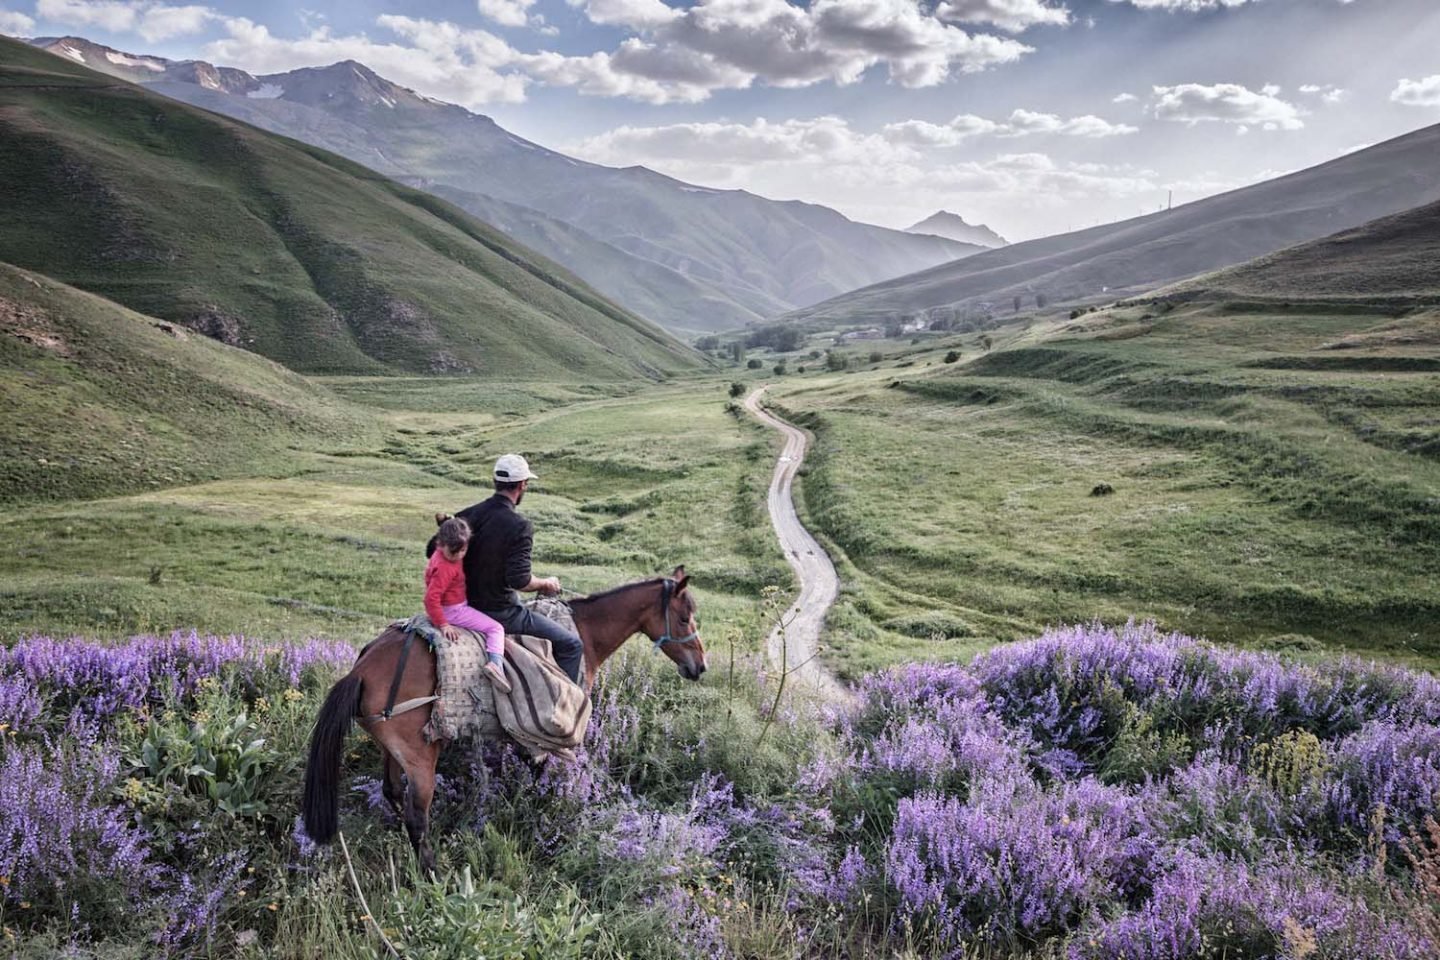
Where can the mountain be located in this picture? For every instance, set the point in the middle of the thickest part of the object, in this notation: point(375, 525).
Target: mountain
point(1136, 255)
point(98, 399)
point(947, 224)
point(287, 250)
point(732, 255)
point(1393, 259)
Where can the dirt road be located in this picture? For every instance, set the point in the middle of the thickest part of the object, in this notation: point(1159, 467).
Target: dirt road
point(818, 583)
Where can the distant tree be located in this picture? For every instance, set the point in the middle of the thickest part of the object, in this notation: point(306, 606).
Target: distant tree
point(814, 354)
point(707, 344)
point(876, 356)
point(1041, 300)
point(736, 388)
point(894, 329)
point(914, 340)
point(942, 324)
point(1017, 303)
point(779, 369)
point(780, 337)
point(1076, 314)
point(835, 360)
point(799, 369)
point(986, 342)
point(952, 356)
point(754, 363)
point(737, 351)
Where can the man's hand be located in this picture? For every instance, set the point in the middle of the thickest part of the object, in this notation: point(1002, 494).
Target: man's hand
point(550, 586)
point(452, 633)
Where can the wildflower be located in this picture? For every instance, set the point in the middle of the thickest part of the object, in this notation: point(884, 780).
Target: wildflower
point(292, 695)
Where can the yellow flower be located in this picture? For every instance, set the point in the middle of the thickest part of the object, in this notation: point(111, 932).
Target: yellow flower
point(292, 695)
point(262, 705)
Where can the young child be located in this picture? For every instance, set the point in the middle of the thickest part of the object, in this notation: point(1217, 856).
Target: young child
point(445, 599)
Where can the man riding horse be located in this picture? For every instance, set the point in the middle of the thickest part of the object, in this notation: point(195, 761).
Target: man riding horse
point(497, 565)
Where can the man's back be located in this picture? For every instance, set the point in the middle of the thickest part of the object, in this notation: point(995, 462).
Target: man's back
point(498, 561)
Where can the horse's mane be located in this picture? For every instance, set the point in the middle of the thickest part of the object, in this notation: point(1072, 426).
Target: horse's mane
point(623, 588)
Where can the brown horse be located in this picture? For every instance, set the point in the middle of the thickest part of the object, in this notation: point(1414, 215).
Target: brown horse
point(662, 609)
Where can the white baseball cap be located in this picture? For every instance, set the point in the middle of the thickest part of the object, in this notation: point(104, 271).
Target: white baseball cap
point(512, 468)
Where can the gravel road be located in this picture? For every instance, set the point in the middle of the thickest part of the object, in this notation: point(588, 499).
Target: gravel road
point(800, 637)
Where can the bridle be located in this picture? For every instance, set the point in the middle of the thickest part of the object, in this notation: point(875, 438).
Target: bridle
point(667, 593)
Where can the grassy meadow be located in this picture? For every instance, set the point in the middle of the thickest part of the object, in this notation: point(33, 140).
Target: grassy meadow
point(1266, 487)
point(1102, 791)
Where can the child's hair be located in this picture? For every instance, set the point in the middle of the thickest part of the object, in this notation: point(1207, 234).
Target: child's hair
point(454, 534)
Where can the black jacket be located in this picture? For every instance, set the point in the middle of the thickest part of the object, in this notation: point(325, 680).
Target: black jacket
point(498, 560)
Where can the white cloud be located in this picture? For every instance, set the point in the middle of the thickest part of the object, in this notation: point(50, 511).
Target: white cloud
point(1194, 103)
point(438, 59)
point(153, 21)
point(15, 23)
point(1021, 123)
point(636, 14)
point(1418, 93)
point(1188, 6)
point(1012, 15)
point(820, 141)
point(1329, 93)
point(507, 13)
point(1124, 98)
point(1024, 122)
point(788, 45)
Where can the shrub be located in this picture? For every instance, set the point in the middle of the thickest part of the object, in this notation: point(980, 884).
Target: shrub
point(754, 363)
point(876, 356)
point(736, 388)
point(952, 356)
point(779, 369)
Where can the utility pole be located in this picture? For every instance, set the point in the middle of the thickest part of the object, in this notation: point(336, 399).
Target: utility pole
point(1170, 202)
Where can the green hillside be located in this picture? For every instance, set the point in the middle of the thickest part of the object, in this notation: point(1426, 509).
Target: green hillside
point(281, 248)
point(97, 399)
point(1396, 259)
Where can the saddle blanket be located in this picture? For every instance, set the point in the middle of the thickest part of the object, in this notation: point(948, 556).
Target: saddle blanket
point(544, 712)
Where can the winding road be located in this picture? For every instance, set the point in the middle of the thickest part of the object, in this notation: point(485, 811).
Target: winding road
point(795, 642)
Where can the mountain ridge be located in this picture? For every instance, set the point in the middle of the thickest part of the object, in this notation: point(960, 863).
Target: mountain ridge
point(280, 247)
point(1139, 255)
point(943, 223)
point(765, 257)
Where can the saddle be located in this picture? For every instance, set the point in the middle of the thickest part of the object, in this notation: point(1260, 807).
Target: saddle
point(545, 712)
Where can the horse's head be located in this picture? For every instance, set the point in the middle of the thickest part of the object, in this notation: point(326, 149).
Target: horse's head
point(674, 627)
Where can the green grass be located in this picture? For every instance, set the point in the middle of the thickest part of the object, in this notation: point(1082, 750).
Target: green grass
point(281, 248)
point(1253, 500)
point(98, 400)
point(330, 545)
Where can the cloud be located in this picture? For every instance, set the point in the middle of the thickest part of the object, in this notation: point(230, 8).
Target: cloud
point(1187, 6)
point(1125, 98)
point(507, 13)
point(15, 23)
point(1327, 93)
point(153, 21)
point(636, 14)
point(1012, 15)
point(437, 58)
point(1418, 93)
point(821, 141)
point(1021, 123)
point(1194, 103)
point(1024, 122)
point(787, 45)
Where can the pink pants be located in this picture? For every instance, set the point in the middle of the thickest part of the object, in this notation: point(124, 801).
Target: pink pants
point(464, 615)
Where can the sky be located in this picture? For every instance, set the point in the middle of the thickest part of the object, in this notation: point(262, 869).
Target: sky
point(1032, 116)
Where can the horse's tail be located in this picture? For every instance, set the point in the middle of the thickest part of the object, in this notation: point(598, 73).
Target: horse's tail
point(322, 772)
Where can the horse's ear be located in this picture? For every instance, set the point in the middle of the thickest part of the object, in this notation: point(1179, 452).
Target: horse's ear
point(441, 518)
point(679, 573)
point(681, 584)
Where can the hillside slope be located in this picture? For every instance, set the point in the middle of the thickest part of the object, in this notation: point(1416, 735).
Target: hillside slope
point(97, 399)
point(1140, 254)
point(283, 249)
point(745, 256)
point(1394, 258)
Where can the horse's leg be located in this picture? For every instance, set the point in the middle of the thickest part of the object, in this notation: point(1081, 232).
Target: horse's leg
point(405, 747)
point(392, 786)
